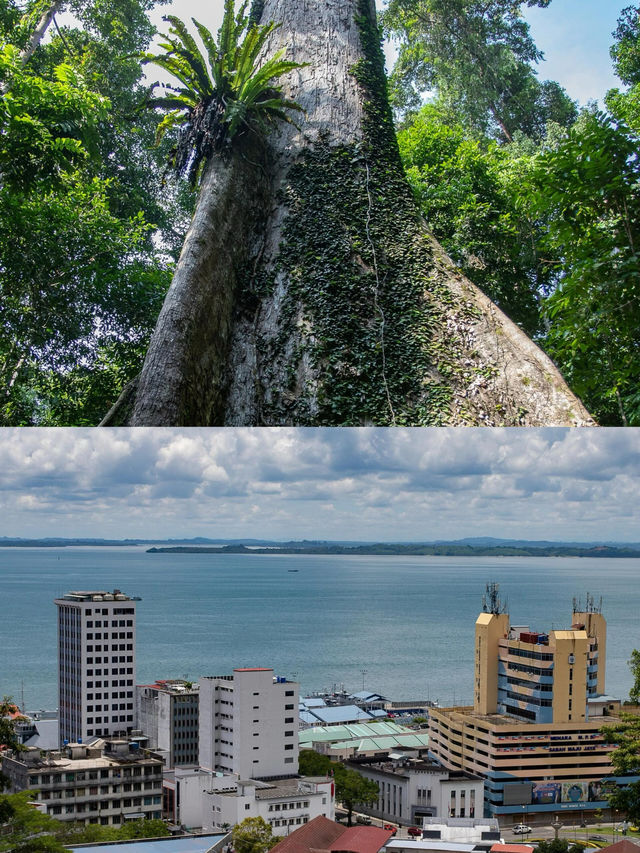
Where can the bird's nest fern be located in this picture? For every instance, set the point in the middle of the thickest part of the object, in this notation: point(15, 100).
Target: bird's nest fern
point(225, 91)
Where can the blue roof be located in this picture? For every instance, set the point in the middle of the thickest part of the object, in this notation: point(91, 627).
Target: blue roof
point(337, 714)
point(186, 844)
point(367, 696)
point(312, 702)
point(308, 717)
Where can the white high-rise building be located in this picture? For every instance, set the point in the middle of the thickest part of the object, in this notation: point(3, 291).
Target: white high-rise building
point(249, 724)
point(96, 664)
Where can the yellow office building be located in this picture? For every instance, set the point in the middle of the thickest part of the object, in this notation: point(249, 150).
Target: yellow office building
point(533, 732)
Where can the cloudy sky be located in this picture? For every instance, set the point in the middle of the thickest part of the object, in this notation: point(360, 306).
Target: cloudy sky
point(356, 484)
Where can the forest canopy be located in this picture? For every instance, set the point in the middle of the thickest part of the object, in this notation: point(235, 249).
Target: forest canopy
point(534, 197)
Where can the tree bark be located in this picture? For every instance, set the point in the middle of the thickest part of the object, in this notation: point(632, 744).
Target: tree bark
point(182, 381)
point(38, 34)
point(41, 28)
point(326, 301)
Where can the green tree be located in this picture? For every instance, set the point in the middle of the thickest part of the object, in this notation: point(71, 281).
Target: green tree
point(8, 737)
point(26, 829)
point(559, 845)
point(312, 763)
point(70, 194)
point(634, 666)
point(625, 53)
point(625, 734)
point(478, 56)
point(253, 835)
point(352, 789)
point(467, 190)
point(587, 191)
point(626, 799)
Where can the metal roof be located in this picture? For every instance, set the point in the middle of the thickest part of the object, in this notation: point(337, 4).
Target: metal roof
point(337, 714)
point(384, 744)
point(184, 844)
point(350, 731)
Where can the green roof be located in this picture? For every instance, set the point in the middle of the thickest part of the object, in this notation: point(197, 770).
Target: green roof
point(349, 731)
point(385, 744)
point(352, 731)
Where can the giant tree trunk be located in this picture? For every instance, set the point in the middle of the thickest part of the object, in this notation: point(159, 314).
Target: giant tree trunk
point(325, 301)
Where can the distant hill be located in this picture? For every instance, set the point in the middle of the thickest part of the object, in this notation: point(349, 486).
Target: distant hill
point(387, 549)
point(481, 546)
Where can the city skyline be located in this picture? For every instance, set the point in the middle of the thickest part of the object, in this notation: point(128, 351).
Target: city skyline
point(360, 484)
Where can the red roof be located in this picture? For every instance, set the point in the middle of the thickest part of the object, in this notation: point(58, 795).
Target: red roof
point(512, 848)
point(624, 846)
point(322, 834)
point(362, 839)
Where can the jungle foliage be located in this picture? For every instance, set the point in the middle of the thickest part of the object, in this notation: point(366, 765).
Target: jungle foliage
point(538, 204)
point(536, 201)
point(82, 213)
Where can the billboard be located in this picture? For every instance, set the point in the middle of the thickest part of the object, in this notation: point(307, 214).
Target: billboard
point(575, 792)
point(546, 792)
point(517, 794)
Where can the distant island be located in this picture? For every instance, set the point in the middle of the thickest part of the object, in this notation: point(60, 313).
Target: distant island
point(479, 546)
point(386, 549)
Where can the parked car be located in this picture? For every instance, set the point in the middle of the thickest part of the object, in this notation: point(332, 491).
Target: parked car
point(414, 831)
point(363, 819)
point(521, 829)
point(391, 828)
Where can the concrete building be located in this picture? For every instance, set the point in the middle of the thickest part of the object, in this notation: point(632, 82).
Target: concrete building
point(96, 664)
point(248, 724)
point(108, 782)
point(204, 800)
point(533, 732)
point(412, 789)
point(168, 714)
point(456, 835)
point(539, 677)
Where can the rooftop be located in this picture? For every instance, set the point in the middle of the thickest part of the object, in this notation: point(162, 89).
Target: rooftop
point(322, 834)
point(173, 685)
point(186, 844)
point(506, 722)
point(336, 714)
point(96, 595)
point(512, 848)
point(351, 731)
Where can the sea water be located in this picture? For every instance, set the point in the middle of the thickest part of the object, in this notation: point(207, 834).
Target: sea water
point(401, 626)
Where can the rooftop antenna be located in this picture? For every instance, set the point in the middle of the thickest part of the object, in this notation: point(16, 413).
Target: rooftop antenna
point(590, 605)
point(491, 602)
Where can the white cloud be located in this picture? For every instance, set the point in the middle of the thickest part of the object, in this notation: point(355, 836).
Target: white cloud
point(325, 483)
